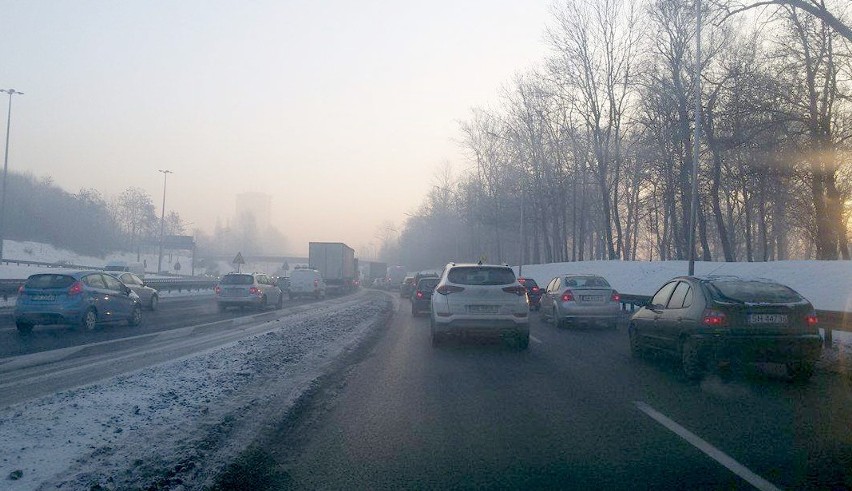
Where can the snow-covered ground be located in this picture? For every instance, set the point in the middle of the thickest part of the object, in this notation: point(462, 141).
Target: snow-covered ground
point(176, 424)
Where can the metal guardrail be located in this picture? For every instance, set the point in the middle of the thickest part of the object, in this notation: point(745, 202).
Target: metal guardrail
point(58, 264)
point(9, 288)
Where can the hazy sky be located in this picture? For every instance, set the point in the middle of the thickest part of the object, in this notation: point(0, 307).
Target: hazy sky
point(343, 111)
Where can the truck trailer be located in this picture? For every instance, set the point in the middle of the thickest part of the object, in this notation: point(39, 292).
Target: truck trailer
point(336, 263)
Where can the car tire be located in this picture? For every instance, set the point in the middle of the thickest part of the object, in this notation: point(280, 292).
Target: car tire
point(89, 319)
point(800, 371)
point(413, 311)
point(557, 323)
point(262, 304)
point(155, 302)
point(135, 317)
point(24, 327)
point(636, 349)
point(522, 341)
point(280, 304)
point(691, 360)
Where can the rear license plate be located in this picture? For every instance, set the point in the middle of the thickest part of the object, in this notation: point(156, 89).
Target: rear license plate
point(767, 319)
point(233, 292)
point(591, 298)
point(43, 298)
point(482, 309)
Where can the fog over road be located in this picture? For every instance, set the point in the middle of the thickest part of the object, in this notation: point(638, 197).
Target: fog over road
point(574, 411)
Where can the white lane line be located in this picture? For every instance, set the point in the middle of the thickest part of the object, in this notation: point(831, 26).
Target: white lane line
point(535, 339)
point(708, 449)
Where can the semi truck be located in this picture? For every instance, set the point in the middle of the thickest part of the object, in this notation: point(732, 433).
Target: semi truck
point(336, 263)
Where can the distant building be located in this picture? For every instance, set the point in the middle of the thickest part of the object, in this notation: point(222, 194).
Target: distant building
point(257, 204)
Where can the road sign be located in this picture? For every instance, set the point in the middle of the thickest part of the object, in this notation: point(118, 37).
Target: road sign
point(239, 261)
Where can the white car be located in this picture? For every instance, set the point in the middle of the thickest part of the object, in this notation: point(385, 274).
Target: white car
point(306, 282)
point(484, 299)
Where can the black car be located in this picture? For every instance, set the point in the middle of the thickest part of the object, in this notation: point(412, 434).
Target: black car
point(533, 292)
point(717, 320)
point(421, 299)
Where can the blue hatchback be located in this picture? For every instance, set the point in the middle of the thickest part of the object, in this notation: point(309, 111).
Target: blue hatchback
point(83, 298)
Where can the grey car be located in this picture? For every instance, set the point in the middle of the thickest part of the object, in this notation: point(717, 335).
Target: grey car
point(149, 297)
point(248, 290)
point(574, 299)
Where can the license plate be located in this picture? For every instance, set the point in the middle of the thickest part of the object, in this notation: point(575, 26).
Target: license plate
point(767, 319)
point(233, 292)
point(44, 298)
point(482, 309)
point(591, 298)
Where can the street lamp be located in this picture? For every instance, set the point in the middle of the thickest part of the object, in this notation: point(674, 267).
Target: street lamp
point(11, 92)
point(162, 220)
point(693, 208)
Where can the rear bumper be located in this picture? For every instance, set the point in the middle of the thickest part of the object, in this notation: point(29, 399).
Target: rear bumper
point(765, 349)
point(238, 301)
point(424, 305)
point(465, 325)
point(44, 318)
point(595, 313)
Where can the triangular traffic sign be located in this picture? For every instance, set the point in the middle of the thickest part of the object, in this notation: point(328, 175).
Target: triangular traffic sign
point(239, 259)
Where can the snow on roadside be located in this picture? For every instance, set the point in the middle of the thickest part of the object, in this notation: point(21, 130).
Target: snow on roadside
point(178, 423)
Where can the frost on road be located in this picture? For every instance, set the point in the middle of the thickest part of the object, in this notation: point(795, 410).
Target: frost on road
point(177, 424)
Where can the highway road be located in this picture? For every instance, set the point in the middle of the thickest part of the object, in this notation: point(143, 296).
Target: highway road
point(574, 411)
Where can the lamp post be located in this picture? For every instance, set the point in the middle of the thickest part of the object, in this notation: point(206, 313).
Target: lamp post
point(693, 211)
point(11, 92)
point(162, 220)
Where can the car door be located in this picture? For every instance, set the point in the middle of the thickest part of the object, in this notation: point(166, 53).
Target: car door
point(96, 293)
point(675, 316)
point(118, 298)
point(135, 284)
point(646, 320)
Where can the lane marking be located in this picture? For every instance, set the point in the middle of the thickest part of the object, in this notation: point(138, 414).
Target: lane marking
point(535, 339)
point(708, 449)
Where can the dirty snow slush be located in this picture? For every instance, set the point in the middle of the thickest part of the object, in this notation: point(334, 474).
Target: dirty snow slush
point(176, 425)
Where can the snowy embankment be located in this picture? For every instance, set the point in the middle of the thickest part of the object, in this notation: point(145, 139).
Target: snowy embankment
point(827, 284)
point(177, 424)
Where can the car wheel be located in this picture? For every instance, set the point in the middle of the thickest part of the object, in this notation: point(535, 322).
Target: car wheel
point(413, 311)
point(24, 327)
point(89, 319)
point(155, 302)
point(522, 341)
point(636, 349)
point(554, 318)
point(262, 304)
point(800, 371)
point(280, 304)
point(691, 360)
point(135, 317)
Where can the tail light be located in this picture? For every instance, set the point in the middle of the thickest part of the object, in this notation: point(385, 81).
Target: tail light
point(419, 294)
point(811, 319)
point(714, 318)
point(20, 289)
point(568, 296)
point(517, 290)
point(447, 289)
point(615, 296)
point(75, 289)
point(217, 290)
point(254, 290)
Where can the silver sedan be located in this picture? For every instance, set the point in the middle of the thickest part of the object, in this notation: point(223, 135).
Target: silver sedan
point(574, 299)
point(149, 297)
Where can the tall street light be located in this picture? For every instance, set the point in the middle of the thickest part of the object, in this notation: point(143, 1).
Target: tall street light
point(11, 92)
point(693, 211)
point(163, 220)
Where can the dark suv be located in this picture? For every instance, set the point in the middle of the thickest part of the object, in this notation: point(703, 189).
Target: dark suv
point(717, 320)
point(421, 299)
point(533, 292)
point(248, 290)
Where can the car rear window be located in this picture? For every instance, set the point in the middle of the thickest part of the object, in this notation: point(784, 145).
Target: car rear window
point(528, 282)
point(481, 275)
point(586, 282)
point(427, 284)
point(237, 279)
point(49, 281)
point(753, 291)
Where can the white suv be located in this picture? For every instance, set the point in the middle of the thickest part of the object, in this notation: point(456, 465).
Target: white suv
point(480, 299)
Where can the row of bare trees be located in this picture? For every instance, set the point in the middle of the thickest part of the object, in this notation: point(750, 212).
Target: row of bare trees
point(589, 156)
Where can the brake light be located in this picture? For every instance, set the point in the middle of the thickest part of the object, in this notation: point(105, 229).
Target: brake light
point(714, 318)
point(419, 294)
point(517, 290)
point(447, 289)
point(615, 296)
point(812, 319)
point(217, 290)
point(75, 289)
point(568, 296)
point(254, 290)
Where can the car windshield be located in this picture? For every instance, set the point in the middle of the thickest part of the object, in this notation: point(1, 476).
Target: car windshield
point(49, 281)
point(237, 279)
point(585, 282)
point(753, 291)
point(481, 275)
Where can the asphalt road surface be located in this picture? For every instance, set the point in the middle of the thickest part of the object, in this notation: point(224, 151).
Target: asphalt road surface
point(574, 411)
